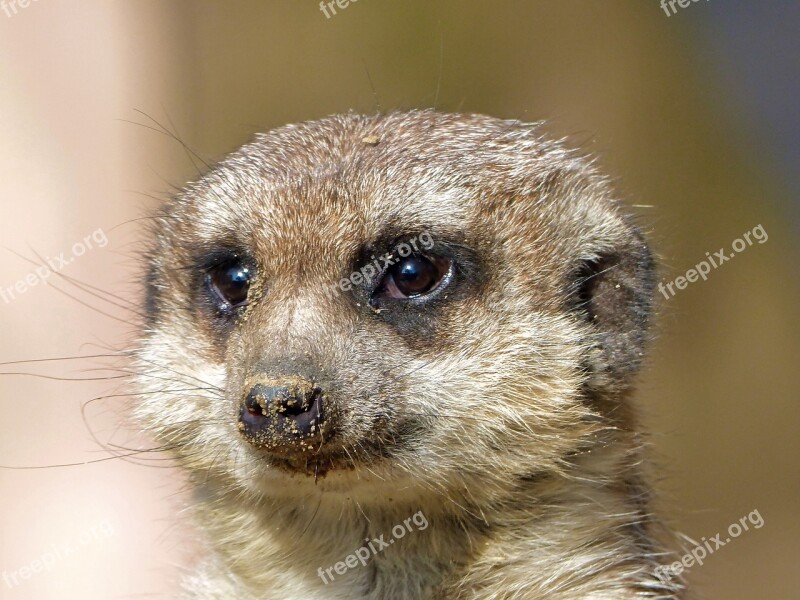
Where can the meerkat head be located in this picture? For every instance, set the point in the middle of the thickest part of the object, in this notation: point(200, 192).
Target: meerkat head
point(417, 302)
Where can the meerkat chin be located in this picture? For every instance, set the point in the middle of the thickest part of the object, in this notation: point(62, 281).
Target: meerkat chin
point(360, 325)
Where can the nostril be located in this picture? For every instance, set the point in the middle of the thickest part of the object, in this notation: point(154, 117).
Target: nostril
point(297, 404)
point(290, 413)
point(290, 401)
point(253, 407)
point(264, 400)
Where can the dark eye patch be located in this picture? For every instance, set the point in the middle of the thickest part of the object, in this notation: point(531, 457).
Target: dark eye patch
point(437, 280)
point(415, 276)
point(407, 267)
point(224, 280)
point(230, 281)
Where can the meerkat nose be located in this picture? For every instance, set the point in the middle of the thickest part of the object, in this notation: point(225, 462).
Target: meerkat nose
point(283, 415)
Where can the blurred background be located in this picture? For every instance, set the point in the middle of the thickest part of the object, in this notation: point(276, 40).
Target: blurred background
point(694, 114)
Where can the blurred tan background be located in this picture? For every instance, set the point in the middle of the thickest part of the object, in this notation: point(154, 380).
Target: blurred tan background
point(663, 101)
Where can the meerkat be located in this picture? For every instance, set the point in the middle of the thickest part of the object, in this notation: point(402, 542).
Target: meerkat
point(418, 322)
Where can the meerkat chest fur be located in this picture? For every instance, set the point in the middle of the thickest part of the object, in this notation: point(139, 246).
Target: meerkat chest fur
point(395, 355)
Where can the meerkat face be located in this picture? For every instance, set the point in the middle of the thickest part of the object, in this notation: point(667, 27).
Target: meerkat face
point(418, 302)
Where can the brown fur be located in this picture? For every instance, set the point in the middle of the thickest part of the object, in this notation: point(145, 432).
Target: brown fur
point(500, 409)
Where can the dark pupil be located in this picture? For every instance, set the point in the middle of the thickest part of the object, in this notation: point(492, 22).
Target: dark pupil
point(232, 283)
point(415, 276)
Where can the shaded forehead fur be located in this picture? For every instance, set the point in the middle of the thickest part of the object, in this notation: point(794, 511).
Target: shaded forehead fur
point(304, 199)
point(350, 174)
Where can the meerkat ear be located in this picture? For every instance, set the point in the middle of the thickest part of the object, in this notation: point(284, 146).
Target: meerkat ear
point(615, 295)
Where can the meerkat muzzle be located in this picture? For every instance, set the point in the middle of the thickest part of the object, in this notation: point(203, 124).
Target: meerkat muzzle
point(283, 415)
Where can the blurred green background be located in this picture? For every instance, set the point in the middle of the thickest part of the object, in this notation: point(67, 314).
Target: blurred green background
point(694, 115)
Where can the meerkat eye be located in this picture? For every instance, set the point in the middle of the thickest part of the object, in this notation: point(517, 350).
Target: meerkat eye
point(414, 276)
point(230, 282)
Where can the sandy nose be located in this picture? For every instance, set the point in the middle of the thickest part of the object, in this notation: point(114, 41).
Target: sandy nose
point(281, 414)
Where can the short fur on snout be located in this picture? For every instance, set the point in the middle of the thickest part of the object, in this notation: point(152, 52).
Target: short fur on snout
point(498, 407)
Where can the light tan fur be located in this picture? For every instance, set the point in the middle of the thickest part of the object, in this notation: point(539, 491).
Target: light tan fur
point(502, 412)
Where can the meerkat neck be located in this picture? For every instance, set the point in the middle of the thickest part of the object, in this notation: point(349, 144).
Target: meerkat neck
point(552, 536)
